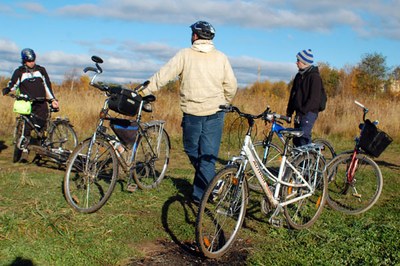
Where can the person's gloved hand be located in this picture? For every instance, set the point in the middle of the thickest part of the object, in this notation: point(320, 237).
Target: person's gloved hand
point(290, 118)
point(297, 119)
point(6, 91)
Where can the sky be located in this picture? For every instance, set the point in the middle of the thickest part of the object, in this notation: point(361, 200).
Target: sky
point(135, 38)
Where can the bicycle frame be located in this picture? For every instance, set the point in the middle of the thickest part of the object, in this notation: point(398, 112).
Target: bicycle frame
point(275, 129)
point(126, 164)
point(50, 124)
point(354, 161)
point(249, 155)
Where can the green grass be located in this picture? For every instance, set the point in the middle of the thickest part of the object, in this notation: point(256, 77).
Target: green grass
point(38, 226)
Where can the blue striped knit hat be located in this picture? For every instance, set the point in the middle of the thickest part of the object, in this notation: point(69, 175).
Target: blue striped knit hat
point(306, 56)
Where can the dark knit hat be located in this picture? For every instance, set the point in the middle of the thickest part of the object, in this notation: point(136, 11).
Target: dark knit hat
point(306, 56)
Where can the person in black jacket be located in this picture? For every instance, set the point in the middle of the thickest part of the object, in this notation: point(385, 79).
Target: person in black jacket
point(305, 96)
point(32, 80)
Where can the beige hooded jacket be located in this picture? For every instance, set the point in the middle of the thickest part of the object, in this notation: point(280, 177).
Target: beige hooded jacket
point(207, 78)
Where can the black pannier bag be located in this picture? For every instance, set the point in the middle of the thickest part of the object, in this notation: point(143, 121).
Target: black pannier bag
point(124, 101)
point(373, 141)
point(126, 130)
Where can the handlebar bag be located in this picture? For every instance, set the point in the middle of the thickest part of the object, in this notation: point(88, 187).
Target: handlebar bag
point(126, 130)
point(124, 101)
point(373, 140)
point(22, 107)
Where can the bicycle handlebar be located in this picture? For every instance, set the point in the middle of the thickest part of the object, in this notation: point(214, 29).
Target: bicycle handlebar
point(25, 97)
point(266, 115)
point(365, 109)
point(104, 87)
point(288, 119)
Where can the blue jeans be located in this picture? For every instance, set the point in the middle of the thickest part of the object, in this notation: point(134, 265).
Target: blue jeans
point(201, 142)
point(306, 124)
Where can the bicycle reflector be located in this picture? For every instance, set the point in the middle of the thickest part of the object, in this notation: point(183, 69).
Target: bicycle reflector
point(22, 107)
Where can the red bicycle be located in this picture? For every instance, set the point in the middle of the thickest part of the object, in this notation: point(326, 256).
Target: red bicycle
point(355, 180)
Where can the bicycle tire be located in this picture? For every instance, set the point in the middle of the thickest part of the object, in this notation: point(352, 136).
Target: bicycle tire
point(63, 136)
point(221, 213)
point(17, 154)
point(358, 197)
point(328, 150)
point(151, 158)
point(272, 161)
point(304, 213)
point(89, 182)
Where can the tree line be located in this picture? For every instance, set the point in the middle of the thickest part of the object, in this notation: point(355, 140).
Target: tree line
point(370, 76)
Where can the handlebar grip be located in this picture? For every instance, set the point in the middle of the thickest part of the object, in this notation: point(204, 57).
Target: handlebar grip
point(142, 86)
point(284, 117)
point(226, 108)
point(359, 104)
point(98, 86)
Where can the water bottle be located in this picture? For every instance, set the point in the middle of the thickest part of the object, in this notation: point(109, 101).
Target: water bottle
point(118, 146)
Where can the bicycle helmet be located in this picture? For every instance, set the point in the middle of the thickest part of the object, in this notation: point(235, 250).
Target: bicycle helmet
point(203, 29)
point(28, 54)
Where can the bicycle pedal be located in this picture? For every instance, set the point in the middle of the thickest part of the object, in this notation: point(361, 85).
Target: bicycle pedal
point(131, 187)
point(275, 222)
point(357, 195)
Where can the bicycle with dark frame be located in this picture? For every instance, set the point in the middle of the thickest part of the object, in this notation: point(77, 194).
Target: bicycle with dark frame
point(55, 140)
point(139, 148)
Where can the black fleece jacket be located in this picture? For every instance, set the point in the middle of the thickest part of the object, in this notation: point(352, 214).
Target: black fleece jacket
point(306, 93)
point(34, 82)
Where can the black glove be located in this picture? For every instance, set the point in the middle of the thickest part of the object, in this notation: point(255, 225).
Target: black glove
point(297, 119)
point(290, 118)
point(6, 91)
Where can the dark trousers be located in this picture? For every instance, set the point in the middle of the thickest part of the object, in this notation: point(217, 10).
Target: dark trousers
point(305, 123)
point(39, 115)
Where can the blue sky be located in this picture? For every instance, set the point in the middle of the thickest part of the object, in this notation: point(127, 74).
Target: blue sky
point(135, 38)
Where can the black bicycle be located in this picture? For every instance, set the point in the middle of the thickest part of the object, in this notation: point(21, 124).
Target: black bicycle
point(139, 148)
point(55, 140)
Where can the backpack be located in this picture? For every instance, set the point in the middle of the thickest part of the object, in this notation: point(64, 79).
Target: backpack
point(322, 103)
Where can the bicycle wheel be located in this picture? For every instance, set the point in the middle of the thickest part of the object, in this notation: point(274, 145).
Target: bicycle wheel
point(271, 155)
point(19, 127)
point(304, 212)
point(151, 157)
point(359, 195)
point(91, 175)
point(221, 213)
point(328, 150)
point(62, 136)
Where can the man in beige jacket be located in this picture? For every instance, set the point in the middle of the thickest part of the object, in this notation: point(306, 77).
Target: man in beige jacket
point(207, 81)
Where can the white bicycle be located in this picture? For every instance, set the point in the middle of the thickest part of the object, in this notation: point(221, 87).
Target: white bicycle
point(299, 190)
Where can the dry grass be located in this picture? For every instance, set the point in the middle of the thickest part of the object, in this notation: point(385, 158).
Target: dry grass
point(340, 119)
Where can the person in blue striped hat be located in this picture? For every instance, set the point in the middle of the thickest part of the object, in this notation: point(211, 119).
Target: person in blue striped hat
point(305, 96)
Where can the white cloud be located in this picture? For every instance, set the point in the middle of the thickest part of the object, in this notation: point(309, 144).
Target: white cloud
point(322, 15)
point(32, 7)
point(147, 60)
